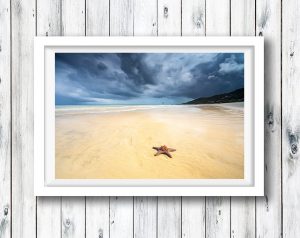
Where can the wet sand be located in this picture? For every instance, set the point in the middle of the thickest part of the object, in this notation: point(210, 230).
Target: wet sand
point(116, 142)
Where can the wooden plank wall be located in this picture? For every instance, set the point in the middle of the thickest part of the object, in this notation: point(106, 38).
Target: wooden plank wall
point(274, 215)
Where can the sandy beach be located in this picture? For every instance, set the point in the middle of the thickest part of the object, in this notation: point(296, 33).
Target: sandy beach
point(116, 142)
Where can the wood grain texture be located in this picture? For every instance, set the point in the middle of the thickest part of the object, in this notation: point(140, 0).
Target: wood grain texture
point(73, 217)
point(290, 117)
point(169, 17)
point(193, 17)
point(73, 17)
point(97, 217)
point(242, 18)
point(121, 208)
point(242, 208)
point(121, 17)
point(48, 217)
point(121, 217)
point(217, 217)
point(218, 17)
point(145, 208)
point(169, 217)
point(169, 208)
point(268, 208)
point(97, 18)
point(145, 217)
point(48, 19)
point(5, 120)
point(73, 209)
point(218, 208)
point(48, 23)
point(193, 208)
point(242, 217)
point(21, 216)
point(97, 208)
point(23, 201)
point(193, 217)
point(145, 18)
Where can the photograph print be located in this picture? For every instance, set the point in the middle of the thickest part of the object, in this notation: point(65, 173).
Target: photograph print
point(149, 115)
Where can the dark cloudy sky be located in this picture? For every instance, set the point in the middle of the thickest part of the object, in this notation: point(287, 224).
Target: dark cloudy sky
point(144, 78)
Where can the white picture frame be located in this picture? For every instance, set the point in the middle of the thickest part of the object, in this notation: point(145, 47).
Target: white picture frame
point(45, 183)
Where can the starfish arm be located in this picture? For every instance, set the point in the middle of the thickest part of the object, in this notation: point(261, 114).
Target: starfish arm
point(171, 150)
point(155, 148)
point(168, 154)
point(158, 153)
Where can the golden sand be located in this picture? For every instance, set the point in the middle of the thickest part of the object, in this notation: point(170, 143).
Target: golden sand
point(98, 144)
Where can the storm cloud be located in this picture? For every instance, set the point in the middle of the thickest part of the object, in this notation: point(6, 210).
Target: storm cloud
point(144, 78)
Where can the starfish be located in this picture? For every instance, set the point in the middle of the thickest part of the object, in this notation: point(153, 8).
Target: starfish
point(164, 150)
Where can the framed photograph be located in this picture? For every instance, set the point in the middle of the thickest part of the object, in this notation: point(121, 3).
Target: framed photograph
point(148, 116)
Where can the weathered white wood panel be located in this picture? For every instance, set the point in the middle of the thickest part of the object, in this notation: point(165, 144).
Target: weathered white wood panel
point(48, 222)
point(218, 208)
point(217, 217)
point(73, 17)
point(97, 18)
point(290, 117)
point(169, 217)
point(145, 18)
point(145, 208)
point(242, 17)
point(193, 217)
point(23, 201)
point(142, 217)
point(145, 217)
point(73, 209)
point(121, 208)
point(121, 17)
point(48, 19)
point(193, 208)
point(73, 217)
point(218, 17)
point(48, 23)
point(242, 208)
point(5, 120)
point(97, 217)
point(97, 208)
point(121, 217)
point(268, 208)
point(169, 17)
point(242, 217)
point(193, 17)
point(169, 208)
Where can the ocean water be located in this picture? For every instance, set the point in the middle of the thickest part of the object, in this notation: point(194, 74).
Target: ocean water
point(98, 109)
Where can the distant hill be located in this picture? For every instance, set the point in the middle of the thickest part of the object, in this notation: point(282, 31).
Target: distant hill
point(234, 96)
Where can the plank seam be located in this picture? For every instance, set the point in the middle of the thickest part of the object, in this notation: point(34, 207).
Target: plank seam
point(11, 108)
point(281, 114)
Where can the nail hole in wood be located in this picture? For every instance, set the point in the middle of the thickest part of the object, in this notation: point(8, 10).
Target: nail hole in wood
point(270, 120)
point(294, 149)
point(267, 202)
point(68, 222)
point(293, 140)
point(166, 12)
point(292, 54)
point(100, 233)
point(5, 210)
